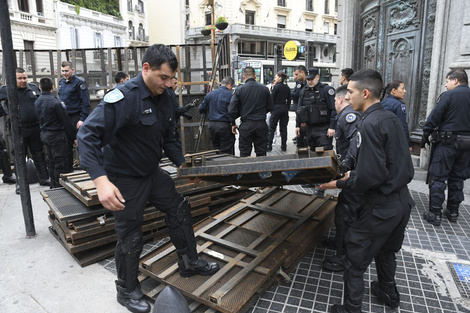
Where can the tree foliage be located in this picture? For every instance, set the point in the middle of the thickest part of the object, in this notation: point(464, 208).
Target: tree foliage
point(110, 7)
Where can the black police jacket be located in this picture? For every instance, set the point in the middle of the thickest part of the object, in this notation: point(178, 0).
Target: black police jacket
point(52, 115)
point(26, 98)
point(127, 132)
point(345, 135)
point(251, 101)
point(281, 96)
point(451, 113)
point(383, 158)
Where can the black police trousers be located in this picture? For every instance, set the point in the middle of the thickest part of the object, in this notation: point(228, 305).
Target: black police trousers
point(317, 137)
point(451, 165)
point(346, 209)
point(253, 133)
point(158, 189)
point(222, 137)
point(56, 148)
point(74, 118)
point(377, 233)
point(279, 114)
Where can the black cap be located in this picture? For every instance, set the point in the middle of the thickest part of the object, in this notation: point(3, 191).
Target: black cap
point(312, 73)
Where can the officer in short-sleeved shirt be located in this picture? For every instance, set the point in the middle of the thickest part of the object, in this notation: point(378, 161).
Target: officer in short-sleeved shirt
point(121, 144)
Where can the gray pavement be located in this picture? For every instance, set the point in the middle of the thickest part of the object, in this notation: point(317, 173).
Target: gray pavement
point(38, 274)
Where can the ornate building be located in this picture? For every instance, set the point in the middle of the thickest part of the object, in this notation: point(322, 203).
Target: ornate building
point(415, 41)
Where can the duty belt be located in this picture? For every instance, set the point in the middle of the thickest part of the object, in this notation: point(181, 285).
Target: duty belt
point(29, 125)
point(373, 197)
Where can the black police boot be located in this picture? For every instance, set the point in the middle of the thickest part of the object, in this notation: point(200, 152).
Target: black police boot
point(134, 301)
point(342, 309)
point(387, 293)
point(41, 167)
point(433, 216)
point(269, 148)
point(17, 189)
point(452, 213)
point(334, 263)
point(200, 266)
point(6, 169)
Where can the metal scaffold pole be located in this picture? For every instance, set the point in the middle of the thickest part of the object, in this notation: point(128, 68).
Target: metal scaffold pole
point(13, 111)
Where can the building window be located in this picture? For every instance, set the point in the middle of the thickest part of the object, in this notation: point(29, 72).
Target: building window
point(140, 5)
point(281, 21)
point(327, 7)
point(309, 5)
point(117, 41)
point(28, 47)
point(141, 35)
point(39, 7)
point(250, 17)
point(98, 40)
point(208, 18)
point(336, 6)
point(23, 5)
point(129, 5)
point(326, 28)
point(336, 29)
point(131, 31)
point(74, 38)
point(281, 3)
point(308, 25)
point(252, 48)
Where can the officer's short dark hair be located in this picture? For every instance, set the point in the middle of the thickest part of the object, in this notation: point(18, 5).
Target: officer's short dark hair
point(341, 91)
point(67, 63)
point(227, 81)
point(158, 54)
point(347, 72)
point(119, 76)
point(370, 80)
point(301, 68)
point(249, 71)
point(46, 84)
point(20, 70)
point(460, 74)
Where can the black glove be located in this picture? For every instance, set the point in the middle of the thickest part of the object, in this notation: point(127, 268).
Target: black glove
point(425, 140)
point(190, 105)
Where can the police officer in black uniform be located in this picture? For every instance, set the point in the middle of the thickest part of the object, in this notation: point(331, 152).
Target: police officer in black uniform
point(317, 111)
point(27, 94)
point(56, 129)
point(120, 145)
point(449, 126)
point(299, 76)
point(348, 202)
point(383, 170)
point(73, 92)
point(251, 102)
point(215, 105)
point(8, 177)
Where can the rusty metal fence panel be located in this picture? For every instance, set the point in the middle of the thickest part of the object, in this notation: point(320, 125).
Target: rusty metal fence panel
point(250, 241)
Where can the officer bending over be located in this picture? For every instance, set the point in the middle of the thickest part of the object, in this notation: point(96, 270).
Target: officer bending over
point(382, 172)
point(449, 125)
point(120, 146)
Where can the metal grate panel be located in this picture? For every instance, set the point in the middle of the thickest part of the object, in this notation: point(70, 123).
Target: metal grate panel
point(461, 275)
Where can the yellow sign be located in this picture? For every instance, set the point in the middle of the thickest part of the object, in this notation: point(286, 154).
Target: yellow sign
point(291, 50)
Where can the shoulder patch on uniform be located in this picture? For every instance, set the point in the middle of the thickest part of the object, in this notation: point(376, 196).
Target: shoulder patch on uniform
point(331, 92)
point(403, 108)
point(113, 96)
point(299, 85)
point(351, 117)
point(82, 86)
